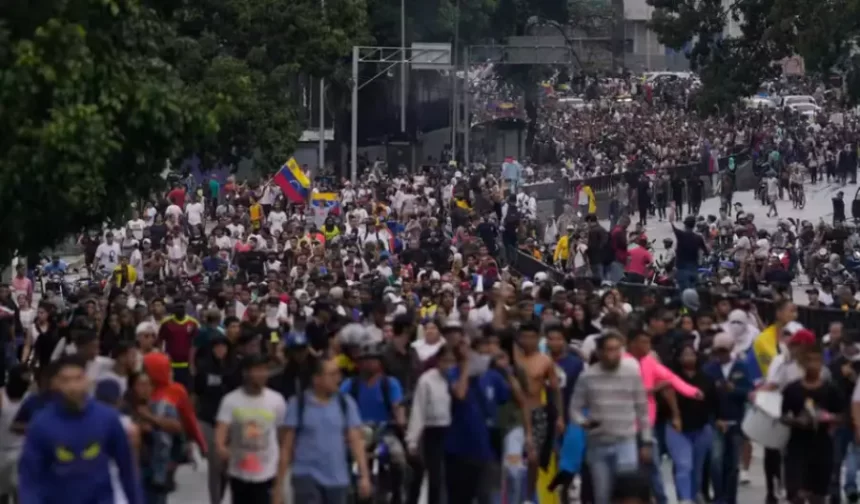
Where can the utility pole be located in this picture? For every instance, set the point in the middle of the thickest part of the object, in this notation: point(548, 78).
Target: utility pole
point(321, 146)
point(403, 68)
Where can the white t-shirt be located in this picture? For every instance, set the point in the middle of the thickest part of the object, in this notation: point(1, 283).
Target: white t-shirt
point(277, 219)
point(173, 211)
point(253, 423)
point(223, 242)
point(136, 226)
point(579, 255)
point(195, 213)
point(236, 231)
point(108, 255)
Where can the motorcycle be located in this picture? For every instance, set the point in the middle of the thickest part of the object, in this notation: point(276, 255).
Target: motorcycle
point(380, 463)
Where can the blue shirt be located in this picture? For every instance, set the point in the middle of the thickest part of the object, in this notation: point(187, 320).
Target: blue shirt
point(32, 404)
point(52, 268)
point(568, 369)
point(212, 264)
point(321, 449)
point(69, 453)
point(371, 403)
point(469, 433)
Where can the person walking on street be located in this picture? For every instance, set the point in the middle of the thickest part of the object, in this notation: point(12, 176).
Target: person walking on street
point(322, 427)
point(609, 402)
point(734, 381)
point(689, 445)
point(247, 433)
point(212, 382)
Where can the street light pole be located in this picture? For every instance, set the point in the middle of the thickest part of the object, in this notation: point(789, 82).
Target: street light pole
point(353, 155)
point(321, 147)
point(403, 67)
point(454, 99)
point(467, 128)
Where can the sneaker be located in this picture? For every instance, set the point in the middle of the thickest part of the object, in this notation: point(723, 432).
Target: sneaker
point(745, 477)
point(853, 497)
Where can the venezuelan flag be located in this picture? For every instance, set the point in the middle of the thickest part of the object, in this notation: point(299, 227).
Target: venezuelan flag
point(325, 200)
point(765, 348)
point(293, 182)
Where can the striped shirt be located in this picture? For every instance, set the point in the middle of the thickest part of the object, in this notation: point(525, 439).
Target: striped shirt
point(616, 399)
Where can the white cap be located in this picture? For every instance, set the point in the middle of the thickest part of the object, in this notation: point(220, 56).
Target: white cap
point(541, 276)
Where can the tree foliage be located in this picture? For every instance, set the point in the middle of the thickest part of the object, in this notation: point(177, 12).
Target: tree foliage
point(242, 57)
point(822, 32)
point(90, 111)
point(97, 95)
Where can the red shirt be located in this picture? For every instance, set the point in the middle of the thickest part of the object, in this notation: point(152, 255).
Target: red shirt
point(619, 244)
point(177, 197)
point(639, 259)
point(178, 334)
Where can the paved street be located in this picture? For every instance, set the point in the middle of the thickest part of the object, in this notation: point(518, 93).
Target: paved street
point(192, 485)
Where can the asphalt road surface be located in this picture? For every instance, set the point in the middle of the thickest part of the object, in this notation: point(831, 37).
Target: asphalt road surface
point(191, 485)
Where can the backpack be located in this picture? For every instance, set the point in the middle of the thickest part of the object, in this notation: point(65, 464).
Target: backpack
point(386, 394)
point(300, 406)
point(512, 218)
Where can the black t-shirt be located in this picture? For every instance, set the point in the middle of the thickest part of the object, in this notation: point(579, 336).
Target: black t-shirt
point(799, 400)
point(687, 250)
point(317, 335)
point(157, 232)
point(778, 276)
point(837, 238)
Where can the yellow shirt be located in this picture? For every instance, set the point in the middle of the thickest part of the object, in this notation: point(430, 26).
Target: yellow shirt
point(562, 249)
point(117, 275)
point(256, 211)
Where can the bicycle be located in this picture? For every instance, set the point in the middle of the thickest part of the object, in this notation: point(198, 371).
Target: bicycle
point(798, 196)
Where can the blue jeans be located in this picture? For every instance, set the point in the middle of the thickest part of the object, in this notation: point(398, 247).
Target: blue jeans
point(725, 472)
point(614, 213)
point(616, 272)
point(844, 450)
point(607, 460)
point(688, 451)
point(655, 474)
point(599, 271)
point(514, 474)
point(686, 278)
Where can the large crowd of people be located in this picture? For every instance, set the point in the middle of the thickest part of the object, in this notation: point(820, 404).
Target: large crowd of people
point(384, 343)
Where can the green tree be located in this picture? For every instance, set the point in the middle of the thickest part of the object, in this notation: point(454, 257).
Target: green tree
point(823, 33)
point(244, 57)
point(567, 18)
point(90, 112)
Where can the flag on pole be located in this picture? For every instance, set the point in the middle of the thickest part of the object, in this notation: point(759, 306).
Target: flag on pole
point(293, 181)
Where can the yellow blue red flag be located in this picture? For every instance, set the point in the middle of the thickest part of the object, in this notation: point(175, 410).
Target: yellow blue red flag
point(293, 181)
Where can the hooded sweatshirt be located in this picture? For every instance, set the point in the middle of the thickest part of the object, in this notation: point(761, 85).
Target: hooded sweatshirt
point(157, 367)
point(652, 373)
point(68, 453)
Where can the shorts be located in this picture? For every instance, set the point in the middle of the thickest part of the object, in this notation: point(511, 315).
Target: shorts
point(808, 471)
point(9, 473)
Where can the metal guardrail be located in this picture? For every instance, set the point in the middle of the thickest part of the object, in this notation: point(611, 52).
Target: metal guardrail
point(817, 320)
point(604, 183)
